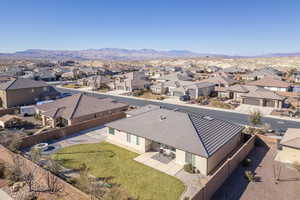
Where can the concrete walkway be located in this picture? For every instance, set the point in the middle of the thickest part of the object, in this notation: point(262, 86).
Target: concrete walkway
point(4, 195)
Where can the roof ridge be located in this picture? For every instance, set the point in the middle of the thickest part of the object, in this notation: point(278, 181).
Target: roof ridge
point(189, 115)
point(76, 106)
point(11, 83)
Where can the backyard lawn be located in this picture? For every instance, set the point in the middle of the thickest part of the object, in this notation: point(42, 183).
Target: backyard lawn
point(107, 160)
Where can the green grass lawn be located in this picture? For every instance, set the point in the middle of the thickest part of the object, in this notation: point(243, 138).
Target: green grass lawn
point(107, 160)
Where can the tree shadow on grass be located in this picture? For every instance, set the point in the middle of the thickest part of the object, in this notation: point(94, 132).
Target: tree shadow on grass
point(111, 153)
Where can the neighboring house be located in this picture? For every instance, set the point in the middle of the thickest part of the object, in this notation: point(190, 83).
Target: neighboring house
point(193, 89)
point(76, 109)
point(220, 80)
point(289, 150)
point(252, 95)
point(130, 81)
point(234, 70)
point(270, 83)
point(261, 73)
point(20, 91)
point(96, 82)
point(193, 139)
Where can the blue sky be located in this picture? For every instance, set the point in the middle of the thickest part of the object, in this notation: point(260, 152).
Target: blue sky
point(213, 26)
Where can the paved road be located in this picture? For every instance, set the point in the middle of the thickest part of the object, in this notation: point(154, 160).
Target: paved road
point(277, 124)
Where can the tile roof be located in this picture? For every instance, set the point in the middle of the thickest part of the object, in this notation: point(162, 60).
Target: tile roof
point(194, 133)
point(78, 105)
point(269, 81)
point(261, 93)
point(21, 83)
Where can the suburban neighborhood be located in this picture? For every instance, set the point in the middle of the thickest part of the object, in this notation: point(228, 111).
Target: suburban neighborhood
point(150, 100)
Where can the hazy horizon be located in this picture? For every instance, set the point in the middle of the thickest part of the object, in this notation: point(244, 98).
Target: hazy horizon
point(215, 27)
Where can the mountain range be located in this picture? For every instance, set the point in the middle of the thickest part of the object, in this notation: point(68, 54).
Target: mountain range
point(117, 54)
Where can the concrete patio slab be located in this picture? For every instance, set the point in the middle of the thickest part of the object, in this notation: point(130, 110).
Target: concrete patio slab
point(170, 168)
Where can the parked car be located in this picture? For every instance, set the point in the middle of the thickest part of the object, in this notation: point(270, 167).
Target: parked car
point(27, 110)
point(184, 98)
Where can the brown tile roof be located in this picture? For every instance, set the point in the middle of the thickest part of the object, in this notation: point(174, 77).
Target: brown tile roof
point(78, 105)
point(269, 81)
point(262, 93)
point(21, 83)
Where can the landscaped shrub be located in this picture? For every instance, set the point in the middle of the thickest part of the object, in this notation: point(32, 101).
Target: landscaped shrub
point(189, 168)
point(246, 162)
point(250, 176)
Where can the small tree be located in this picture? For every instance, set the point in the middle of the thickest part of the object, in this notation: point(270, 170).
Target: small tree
point(35, 155)
point(15, 143)
point(255, 118)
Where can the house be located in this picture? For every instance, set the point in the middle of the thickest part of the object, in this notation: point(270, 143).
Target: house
point(251, 95)
point(220, 80)
point(271, 83)
point(96, 82)
point(159, 88)
point(20, 91)
point(289, 150)
point(262, 97)
point(193, 139)
point(260, 73)
point(234, 70)
point(212, 69)
point(76, 109)
point(296, 77)
point(130, 81)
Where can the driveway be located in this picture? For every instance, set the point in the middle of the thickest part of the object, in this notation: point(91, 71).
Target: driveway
point(93, 135)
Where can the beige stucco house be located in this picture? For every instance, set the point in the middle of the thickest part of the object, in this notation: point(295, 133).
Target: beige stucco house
point(21, 91)
point(76, 109)
point(289, 150)
point(189, 138)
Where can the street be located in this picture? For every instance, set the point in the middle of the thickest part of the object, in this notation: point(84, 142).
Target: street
point(277, 124)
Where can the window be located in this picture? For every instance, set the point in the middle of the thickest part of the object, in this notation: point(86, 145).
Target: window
point(111, 131)
point(190, 158)
point(137, 140)
point(128, 137)
point(45, 89)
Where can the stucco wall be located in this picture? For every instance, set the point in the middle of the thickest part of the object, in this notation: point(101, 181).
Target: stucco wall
point(121, 138)
point(221, 154)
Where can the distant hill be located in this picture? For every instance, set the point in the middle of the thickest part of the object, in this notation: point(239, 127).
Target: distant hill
point(105, 54)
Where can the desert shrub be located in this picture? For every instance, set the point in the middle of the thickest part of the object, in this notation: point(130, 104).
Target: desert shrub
point(220, 104)
point(255, 118)
point(249, 176)
point(189, 168)
point(186, 198)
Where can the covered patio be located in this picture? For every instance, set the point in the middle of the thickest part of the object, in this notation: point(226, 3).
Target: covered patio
point(159, 162)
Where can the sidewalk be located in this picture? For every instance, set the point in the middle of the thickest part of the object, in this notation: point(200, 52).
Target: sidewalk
point(179, 103)
point(4, 195)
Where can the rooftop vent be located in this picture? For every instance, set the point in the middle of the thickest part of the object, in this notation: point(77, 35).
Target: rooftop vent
point(208, 118)
point(162, 117)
